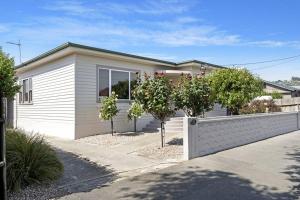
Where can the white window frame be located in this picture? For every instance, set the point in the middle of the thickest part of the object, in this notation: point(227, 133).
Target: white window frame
point(110, 69)
point(29, 85)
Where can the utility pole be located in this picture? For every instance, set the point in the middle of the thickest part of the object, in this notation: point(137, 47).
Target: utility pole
point(19, 45)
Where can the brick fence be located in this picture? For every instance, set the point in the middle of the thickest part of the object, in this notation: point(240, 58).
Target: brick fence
point(210, 135)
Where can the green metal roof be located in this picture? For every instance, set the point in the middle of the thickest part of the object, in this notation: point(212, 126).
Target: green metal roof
point(70, 44)
point(281, 86)
point(199, 62)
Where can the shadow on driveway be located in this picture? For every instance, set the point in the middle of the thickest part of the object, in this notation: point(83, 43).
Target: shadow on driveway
point(294, 171)
point(200, 184)
point(79, 175)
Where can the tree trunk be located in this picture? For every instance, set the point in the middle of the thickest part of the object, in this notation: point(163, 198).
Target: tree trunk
point(162, 133)
point(112, 126)
point(3, 187)
point(134, 119)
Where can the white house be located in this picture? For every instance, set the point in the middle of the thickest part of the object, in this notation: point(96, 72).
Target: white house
point(62, 88)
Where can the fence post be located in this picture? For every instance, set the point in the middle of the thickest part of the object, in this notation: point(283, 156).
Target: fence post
point(3, 187)
point(189, 125)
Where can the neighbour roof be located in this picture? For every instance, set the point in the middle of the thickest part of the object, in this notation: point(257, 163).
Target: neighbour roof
point(296, 86)
point(70, 44)
point(281, 86)
point(199, 62)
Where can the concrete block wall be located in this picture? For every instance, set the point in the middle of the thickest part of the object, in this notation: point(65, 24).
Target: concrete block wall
point(210, 135)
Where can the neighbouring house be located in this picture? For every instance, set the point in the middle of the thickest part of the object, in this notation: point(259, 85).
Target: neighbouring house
point(286, 91)
point(62, 89)
point(290, 95)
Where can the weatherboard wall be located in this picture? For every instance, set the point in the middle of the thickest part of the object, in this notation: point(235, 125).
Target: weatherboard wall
point(52, 111)
point(87, 120)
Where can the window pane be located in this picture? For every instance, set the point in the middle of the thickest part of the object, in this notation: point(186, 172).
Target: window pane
point(133, 83)
point(30, 95)
point(25, 90)
point(120, 84)
point(30, 83)
point(21, 92)
point(103, 83)
point(30, 90)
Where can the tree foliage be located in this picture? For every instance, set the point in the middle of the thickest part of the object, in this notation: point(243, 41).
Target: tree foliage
point(8, 80)
point(154, 94)
point(233, 87)
point(109, 109)
point(135, 111)
point(193, 95)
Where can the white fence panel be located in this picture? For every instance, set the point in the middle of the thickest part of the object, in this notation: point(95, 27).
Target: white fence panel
point(210, 135)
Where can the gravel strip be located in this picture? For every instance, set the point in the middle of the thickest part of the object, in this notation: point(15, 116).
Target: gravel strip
point(118, 139)
point(172, 151)
point(37, 192)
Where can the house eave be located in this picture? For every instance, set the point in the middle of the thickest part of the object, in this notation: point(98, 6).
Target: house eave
point(73, 48)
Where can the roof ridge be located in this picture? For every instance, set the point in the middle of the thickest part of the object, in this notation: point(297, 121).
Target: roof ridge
point(76, 45)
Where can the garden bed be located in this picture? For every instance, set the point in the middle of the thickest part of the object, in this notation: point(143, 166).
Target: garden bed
point(79, 176)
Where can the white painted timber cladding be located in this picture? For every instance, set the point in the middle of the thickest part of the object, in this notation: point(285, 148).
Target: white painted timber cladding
point(216, 134)
point(87, 107)
point(53, 109)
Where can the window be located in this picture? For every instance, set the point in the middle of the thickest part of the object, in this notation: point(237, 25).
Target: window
point(103, 83)
point(118, 81)
point(25, 94)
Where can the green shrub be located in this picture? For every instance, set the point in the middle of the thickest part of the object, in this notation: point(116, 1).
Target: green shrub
point(258, 106)
point(234, 87)
point(30, 160)
point(109, 109)
point(135, 111)
point(274, 95)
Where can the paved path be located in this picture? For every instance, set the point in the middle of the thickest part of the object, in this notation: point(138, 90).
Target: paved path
point(268, 169)
point(120, 159)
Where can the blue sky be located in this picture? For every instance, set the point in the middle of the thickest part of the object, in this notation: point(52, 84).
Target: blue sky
point(215, 31)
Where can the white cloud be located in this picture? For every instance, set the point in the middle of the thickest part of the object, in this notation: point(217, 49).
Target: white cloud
point(180, 29)
point(196, 36)
point(3, 28)
point(148, 7)
point(273, 43)
point(71, 7)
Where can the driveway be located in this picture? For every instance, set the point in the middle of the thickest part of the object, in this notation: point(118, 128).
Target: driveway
point(127, 154)
point(269, 169)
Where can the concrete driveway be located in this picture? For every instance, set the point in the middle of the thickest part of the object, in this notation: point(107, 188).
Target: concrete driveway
point(269, 169)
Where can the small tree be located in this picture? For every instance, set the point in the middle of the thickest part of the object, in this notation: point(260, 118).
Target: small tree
point(109, 109)
point(233, 88)
point(193, 95)
point(8, 89)
point(134, 112)
point(154, 94)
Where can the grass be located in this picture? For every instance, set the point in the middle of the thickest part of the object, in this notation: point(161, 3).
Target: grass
point(30, 160)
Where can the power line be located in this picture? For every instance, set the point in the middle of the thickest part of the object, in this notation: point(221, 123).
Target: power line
point(261, 62)
point(274, 65)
